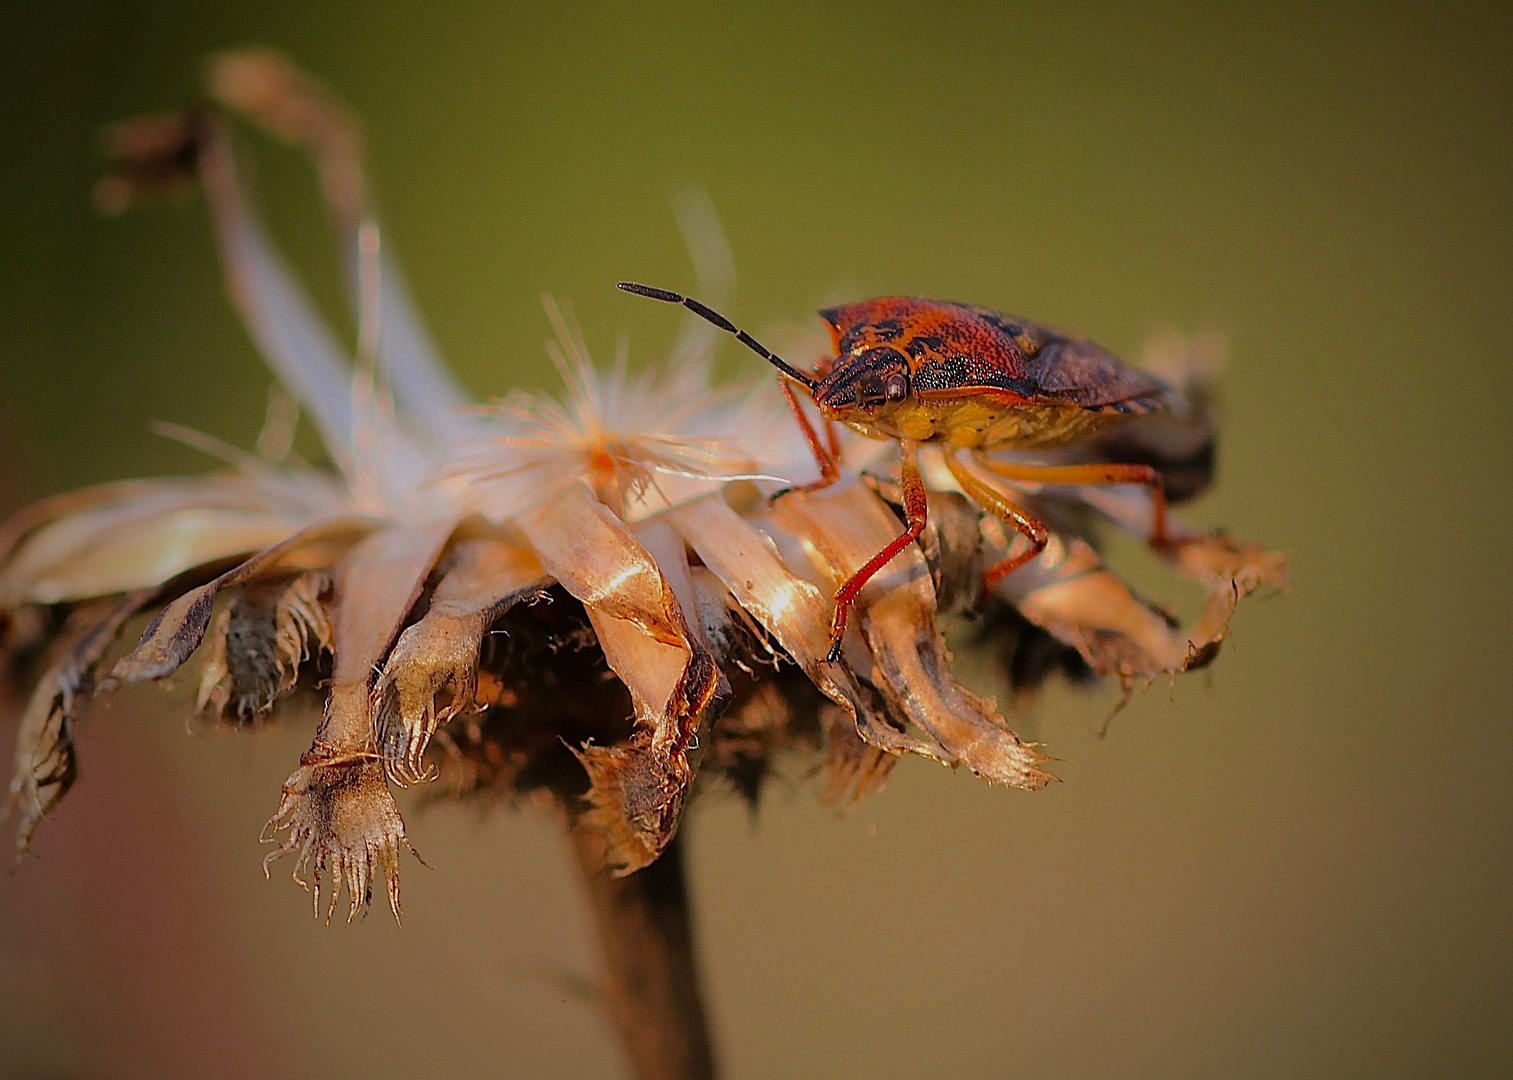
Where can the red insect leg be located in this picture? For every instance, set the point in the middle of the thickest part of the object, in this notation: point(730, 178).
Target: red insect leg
point(1091, 474)
point(997, 502)
point(915, 511)
point(830, 471)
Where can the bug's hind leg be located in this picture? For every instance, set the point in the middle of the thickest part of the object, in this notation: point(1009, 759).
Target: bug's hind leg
point(827, 460)
point(996, 501)
point(916, 514)
point(1092, 474)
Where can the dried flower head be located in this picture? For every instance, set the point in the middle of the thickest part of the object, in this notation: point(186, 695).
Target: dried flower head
point(587, 602)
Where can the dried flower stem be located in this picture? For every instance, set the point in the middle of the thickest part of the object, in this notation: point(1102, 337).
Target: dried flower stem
point(651, 982)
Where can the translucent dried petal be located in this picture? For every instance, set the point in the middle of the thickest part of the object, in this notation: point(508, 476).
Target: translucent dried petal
point(638, 790)
point(377, 585)
point(1219, 560)
point(290, 334)
point(597, 560)
point(845, 526)
point(71, 503)
point(152, 551)
point(270, 91)
point(1079, 602)
point(143, 540)
point(791, 609)
point(1068, 593)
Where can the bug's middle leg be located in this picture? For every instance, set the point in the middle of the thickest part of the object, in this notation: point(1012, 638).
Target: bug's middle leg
point(915, 513)
point(997, 502)
point(1093, 474)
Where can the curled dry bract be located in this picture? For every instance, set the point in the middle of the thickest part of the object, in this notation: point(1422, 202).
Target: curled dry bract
point(45, 761)
point(259, 642)
point(481, 579)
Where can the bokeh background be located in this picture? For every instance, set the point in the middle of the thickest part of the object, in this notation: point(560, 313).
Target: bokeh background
point(1297, 865)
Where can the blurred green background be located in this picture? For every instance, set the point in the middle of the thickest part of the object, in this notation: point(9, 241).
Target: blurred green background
point(1297, 865)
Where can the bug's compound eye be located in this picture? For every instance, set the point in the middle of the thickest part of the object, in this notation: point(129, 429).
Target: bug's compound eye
point(896, 387)
point(870, 393)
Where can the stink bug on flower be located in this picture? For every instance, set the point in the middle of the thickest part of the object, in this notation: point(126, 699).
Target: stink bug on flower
point(967, 378)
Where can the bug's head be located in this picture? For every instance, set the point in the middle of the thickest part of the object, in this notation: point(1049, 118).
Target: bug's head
point(864, 386)
point(869, 381)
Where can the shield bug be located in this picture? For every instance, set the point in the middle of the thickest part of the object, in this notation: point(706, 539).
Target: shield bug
point(968, 379)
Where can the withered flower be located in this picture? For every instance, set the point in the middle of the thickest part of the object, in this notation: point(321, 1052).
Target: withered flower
point(590, 604)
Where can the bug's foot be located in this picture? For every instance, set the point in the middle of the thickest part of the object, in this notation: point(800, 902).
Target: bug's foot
point(818, 485)
point(837, 633)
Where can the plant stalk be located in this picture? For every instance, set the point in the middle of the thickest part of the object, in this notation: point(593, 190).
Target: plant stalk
point(651, 981)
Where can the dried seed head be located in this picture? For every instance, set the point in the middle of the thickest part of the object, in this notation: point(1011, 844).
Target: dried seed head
point(585, 603)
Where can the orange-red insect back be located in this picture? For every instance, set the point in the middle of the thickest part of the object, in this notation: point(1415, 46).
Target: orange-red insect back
point(966, 378)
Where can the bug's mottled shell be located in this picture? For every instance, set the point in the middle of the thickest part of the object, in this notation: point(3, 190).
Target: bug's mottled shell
point(957, 349)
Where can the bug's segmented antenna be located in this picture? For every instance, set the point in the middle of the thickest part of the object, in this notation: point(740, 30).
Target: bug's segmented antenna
point(667, 296)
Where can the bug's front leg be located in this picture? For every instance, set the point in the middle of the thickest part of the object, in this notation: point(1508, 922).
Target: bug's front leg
point(997, 502)
point(915, 513)
point(828, 461)
point(833, 439)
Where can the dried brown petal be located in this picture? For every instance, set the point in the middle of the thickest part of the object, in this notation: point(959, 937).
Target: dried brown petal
point(845, 526)
point(273, 93)
point(1220, 559)
point(638, 790)
point(791, 609)
point(214, 694)
point(1116, 633)
point(483, 579)
point(589, 550)
point(376, 586)
point(1068, 593)
point(636, 796)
